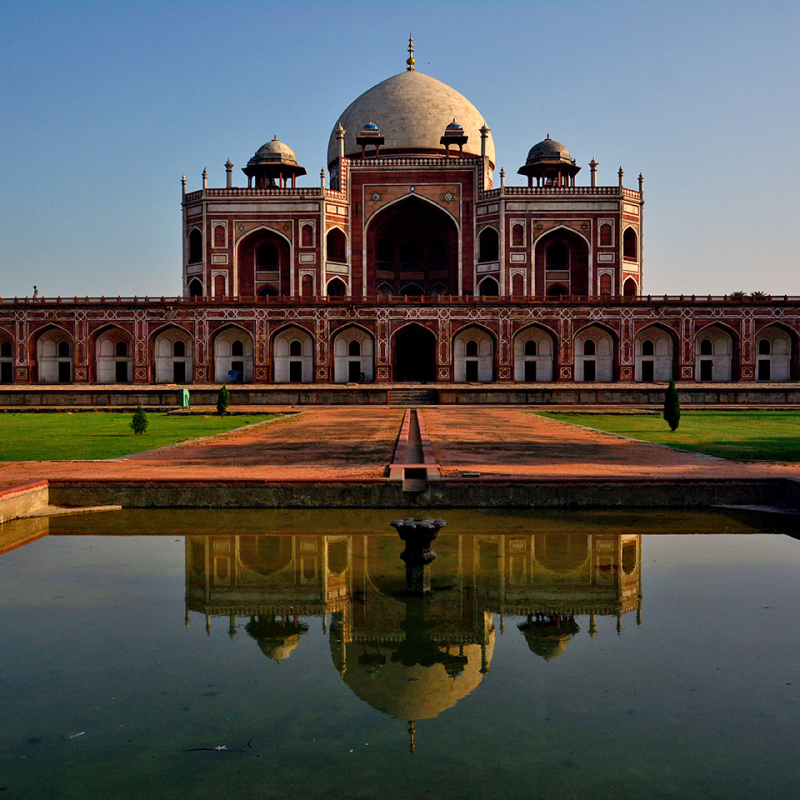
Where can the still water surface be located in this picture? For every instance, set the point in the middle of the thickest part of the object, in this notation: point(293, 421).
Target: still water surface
point(569, 655)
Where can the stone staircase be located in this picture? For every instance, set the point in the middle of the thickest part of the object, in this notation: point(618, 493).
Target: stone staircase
point(413, 397)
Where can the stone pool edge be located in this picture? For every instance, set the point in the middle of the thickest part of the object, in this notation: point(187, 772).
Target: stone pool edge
point(484, 492)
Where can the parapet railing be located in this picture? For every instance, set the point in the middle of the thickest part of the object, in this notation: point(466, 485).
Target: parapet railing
point(532, 191)
point(377, 300)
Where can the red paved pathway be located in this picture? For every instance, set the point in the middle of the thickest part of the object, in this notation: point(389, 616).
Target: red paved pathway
point(358, 442)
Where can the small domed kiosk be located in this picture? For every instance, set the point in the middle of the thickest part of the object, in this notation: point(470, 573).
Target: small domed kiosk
point(551, 164)
point(273, 166)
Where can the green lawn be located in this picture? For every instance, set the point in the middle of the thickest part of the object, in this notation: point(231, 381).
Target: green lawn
point(739, 435)
point(88, 435)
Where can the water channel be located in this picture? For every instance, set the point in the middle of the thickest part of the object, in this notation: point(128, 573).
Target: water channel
point(274, 654)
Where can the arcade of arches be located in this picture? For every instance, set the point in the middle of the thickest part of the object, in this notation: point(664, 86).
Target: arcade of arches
point(537, 355)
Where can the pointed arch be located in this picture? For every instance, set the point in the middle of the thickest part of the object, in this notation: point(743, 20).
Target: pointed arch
point(172, 351)
point(336, 288)
point(232, 346)
point(658, 361)
point(595, 349)
point(413, 348)
point(488, 244)
point(776, 349)
point(293, 355)
point(535, 348)
point(6, 357)
point(473, 354)
point(336, 245)
point(488, 287)
point(716, 353)
point(630, 244)
point(54, 354)
point(195, 246)
point(350, 366)
point(275, 250)
point(113, 363)
point(412, 239)
point(561, 259)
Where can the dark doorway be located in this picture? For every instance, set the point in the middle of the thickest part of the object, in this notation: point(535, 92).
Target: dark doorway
point(178, 371)
point(415, 355)
point(64, 372)
point(121, 371)
point(648, 371)
point(471, 369)
point(354, 371)
point(530, 371)
point(763, 370)
point(706, 370)
point(295, 371)
point(6, 372)
point(589, 371)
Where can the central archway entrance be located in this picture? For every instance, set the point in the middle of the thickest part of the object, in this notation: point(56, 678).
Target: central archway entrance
point(412, 250)
point(415, 355)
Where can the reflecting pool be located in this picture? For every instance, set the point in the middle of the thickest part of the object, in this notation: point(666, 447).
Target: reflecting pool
point(245, 654)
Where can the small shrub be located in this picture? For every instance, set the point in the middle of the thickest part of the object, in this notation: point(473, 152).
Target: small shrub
point(139, 421)
point(223, 400)
point(672, 407)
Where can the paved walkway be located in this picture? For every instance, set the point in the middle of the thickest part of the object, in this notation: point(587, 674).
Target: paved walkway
point(358, 443)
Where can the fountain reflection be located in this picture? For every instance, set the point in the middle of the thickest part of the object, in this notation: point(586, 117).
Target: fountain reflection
point(412, 657)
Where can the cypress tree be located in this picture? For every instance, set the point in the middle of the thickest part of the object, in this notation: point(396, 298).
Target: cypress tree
point(223, 399)
point(139, 421)
point(672, 406)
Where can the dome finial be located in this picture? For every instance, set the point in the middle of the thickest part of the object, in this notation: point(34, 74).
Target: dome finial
point(410, 60)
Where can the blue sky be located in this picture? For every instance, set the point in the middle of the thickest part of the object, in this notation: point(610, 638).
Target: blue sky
point(104, 105)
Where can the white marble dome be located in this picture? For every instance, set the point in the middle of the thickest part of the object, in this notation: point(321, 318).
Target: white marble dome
point(412, 111)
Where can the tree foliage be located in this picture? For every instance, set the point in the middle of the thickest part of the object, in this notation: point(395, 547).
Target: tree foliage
point(139, 421)
point(223, 400)
point(672, 406)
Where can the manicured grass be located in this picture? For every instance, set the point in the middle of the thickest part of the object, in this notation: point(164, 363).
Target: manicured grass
point(88, 435)
point(738, 435)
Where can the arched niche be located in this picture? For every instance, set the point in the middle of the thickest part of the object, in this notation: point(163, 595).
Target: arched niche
point(488, 245)
point(263, 258)
point(561, 258)
point(195, 288)
point(412, 241)
point(54, 355)
point(233, 356)
point(353, 354)
point(488, 287)
point(473, 356)
point(336, 246)
point(293, 356)
point(534, 351)
point(336, 288)
point(629, 288)
point(630, 245)
point(195, 246)
point(172, 351)
point(774, 354)
point(113, 349)
point(594, 355)
point(6, 358)
point(414, 351)
point(714, 347)
point(654, 354)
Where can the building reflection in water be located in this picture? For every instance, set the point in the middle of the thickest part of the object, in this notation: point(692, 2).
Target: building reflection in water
point(413, 657)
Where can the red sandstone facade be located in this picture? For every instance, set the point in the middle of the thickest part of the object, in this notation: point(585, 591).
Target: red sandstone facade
point(405, 264)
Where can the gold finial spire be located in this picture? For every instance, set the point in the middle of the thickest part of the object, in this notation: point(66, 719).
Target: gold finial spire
point(410, 60)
